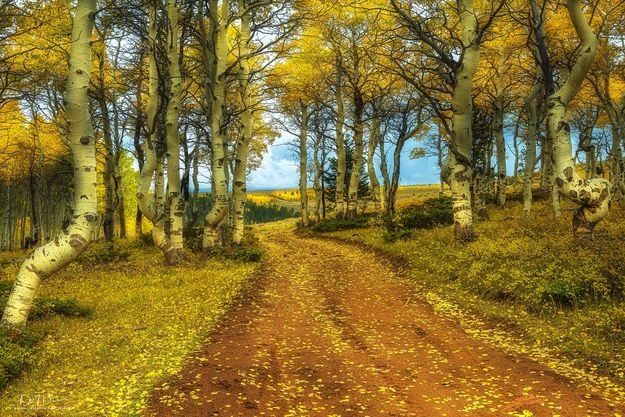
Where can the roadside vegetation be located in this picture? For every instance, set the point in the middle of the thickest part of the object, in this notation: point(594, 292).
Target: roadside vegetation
point(527, 275)
point(136, 323)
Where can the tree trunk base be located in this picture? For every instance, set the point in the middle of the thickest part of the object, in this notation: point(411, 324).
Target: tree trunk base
point(464, 233)
point(582, 228)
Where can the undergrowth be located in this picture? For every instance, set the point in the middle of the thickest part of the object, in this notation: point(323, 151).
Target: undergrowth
point(529, 274)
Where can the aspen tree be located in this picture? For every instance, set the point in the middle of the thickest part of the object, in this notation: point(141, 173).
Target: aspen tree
point(592, 195)
point(175, 201)
point(217, 105)
point(354, 179)
point(52, 257)
point(303, 163)
point(530, 144)
point(460, 149)
point(239, 183)
point(341, 157)
point(155, 153)
point(374, 137)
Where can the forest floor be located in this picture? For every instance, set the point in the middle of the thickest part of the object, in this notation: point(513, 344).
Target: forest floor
point(334, 329)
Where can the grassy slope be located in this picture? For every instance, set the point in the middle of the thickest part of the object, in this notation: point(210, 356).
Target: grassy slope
point(532, 279)
point(146, 319)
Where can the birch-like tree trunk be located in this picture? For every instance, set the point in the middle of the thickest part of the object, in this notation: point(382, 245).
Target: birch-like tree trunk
point(460, 148)
point(109, 163)
point(303, 163)
point(50, 258)
point(354, 180)
point(530, 145)
point(374, 137)
point(341, 157)
point(317, 183)
point(593, 195)
point(239, 180)
point(174, 202)
point(217, 104)
point(154, 150)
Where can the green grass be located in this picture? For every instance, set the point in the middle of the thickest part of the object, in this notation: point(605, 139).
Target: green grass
point(142, 321)
point(531, 277)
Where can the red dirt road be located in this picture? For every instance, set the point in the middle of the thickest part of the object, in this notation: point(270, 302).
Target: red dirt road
point(331, 331)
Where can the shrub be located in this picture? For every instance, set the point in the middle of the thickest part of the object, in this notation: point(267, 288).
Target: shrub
point(243, 253)
point(394, 236)
point(432, 213)
point(332, 225)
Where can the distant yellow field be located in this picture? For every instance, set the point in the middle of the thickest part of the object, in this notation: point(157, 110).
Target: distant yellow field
point(290, 198)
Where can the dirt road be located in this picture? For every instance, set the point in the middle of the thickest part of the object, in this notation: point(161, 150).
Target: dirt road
point(333, 332)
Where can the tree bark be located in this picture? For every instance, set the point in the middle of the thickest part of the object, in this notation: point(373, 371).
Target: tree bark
point(217, 105)
point(174, 202)
point(354, 180)
point(530, 146)
point(374, 136)
point(303, 163)
point(52, 257)
point(341, 166)
point(462, 141)
point(239, 181)
point(592, 195)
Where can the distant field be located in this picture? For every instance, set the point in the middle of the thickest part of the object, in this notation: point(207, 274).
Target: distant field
point(290, 198)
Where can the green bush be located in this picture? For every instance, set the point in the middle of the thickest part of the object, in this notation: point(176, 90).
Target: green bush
point(395, 235)
point(192, 239)
point(16, 352)
point(243, 253)
point(432, 213)
point(332, 225)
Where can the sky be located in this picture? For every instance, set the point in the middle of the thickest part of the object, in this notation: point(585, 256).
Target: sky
point(280, 168)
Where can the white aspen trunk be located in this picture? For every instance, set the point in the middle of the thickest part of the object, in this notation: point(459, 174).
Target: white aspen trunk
point(52, 257)
point(153, 167)
point(530, 146)
point(460, 150)
point(354, 180)
point(174, 202)
point(592, 195)
point(341, 166)
point(109, 162)
point(239, 180)
point(317, 181)
point(374, 135)
point(218, 167)
point(499, 130)
point(385, 176)
point(303, 162)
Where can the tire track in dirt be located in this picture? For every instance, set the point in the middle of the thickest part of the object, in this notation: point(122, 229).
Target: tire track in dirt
point(333, 332)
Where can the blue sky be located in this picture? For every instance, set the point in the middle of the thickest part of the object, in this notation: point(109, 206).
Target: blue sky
point(280, 169)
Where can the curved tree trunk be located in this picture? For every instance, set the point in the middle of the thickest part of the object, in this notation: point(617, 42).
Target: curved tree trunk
point(50, 258)
point(592, 195)
point(219, 209)
point(462, 141)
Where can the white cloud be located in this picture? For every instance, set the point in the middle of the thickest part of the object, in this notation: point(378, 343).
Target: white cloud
point(276, 172)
